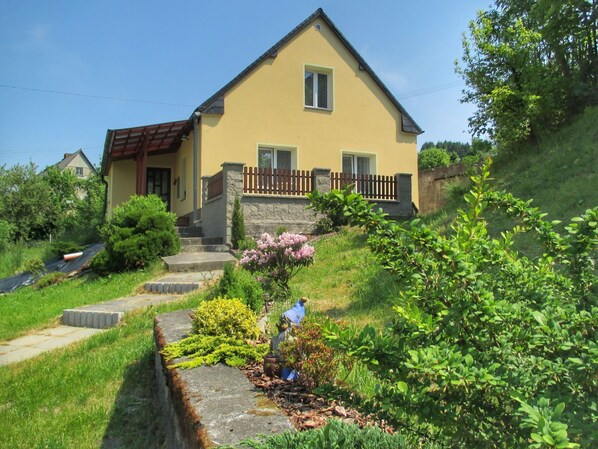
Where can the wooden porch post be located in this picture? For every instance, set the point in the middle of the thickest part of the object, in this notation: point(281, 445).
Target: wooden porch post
point(141, 172)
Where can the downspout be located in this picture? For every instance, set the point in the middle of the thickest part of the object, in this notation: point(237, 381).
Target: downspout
point(196, 118)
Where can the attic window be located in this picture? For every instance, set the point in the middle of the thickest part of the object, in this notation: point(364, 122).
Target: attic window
point(79, 171)
point(318, 88)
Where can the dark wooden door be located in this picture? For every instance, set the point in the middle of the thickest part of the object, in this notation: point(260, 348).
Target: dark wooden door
point(158, 183)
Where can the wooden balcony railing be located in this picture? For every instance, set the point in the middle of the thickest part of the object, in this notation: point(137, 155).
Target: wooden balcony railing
point(376, 187)
point(270, 181)
point(215, 185)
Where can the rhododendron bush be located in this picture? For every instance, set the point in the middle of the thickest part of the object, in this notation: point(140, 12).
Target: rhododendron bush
point(278, 259)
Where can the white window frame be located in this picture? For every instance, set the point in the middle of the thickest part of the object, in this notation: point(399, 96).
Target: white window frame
point(355, 155)
point(275, 149)
point(319, 70)
point(373, 160)
point(79, 172)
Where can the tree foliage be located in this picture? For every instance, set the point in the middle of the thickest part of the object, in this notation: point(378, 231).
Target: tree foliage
point(488, 348)
point(433, 157)
point(39, 205)
point(529, 65)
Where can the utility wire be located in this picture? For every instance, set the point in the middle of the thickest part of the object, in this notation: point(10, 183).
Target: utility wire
point(101, 97)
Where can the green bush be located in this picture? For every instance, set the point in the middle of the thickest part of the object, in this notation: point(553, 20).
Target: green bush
point(432, 158)
point(6, 235)
point(224, 332)
point(53, 278)
point(488, 348)
point(307, 353)
point(225, 317)
point(238, 224)
point(101, 265)
point(343, 207)
point(247, 243)
point(239, 283)
point(139, 232)
point(34, 266)
point(336, 435)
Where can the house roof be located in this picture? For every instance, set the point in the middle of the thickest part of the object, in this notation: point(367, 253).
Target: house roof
point(69, 157)
point(215, 102)
point(166, 137)
point(159, 138)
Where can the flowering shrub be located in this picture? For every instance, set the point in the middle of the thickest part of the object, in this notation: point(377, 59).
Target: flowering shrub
point(278, 259)
point(308, 354)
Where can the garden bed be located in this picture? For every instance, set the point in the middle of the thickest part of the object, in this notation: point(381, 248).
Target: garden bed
point(208, 405)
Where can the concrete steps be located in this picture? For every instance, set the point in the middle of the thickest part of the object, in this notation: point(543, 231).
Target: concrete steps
point(110, 313)
point(205, 261)
point(180, 283)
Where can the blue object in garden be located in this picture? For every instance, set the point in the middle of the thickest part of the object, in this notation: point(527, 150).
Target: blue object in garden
point(288, 374)
point(297, 312)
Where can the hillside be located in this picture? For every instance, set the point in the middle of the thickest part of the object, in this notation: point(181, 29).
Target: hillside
point(560, 176)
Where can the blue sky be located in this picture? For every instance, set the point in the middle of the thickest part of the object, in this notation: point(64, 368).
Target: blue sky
point(167, 57)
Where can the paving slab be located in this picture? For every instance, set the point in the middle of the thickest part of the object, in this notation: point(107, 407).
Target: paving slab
point(38, 342)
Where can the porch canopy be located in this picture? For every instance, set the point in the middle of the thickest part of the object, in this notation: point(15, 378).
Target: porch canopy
point(142, 141)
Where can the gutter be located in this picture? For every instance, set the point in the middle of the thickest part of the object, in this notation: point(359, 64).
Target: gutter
point(196, 117)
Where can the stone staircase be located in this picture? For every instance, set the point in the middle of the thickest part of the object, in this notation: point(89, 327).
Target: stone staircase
point(200, 260)
point(198, 253)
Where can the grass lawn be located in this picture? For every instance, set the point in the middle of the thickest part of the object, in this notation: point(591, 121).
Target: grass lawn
point(98, 393)
point(13, 258)
point(346, 282)
point(27, 308)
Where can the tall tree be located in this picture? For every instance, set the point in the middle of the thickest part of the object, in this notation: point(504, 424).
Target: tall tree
point(529, 65)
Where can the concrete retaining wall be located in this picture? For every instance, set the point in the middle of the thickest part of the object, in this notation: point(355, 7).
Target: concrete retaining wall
point(209, 405)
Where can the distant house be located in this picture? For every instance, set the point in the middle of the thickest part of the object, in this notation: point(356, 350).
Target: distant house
point(78, 163)
point(309, 102)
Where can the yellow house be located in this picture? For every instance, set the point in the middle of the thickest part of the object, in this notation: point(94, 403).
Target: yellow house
point(309, 101)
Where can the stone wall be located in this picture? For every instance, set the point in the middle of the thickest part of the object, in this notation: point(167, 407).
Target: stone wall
point(267, 213)
point(208, 405)
point(431, 182)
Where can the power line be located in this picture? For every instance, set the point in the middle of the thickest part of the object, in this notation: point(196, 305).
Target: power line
point(431, 89)
point(100, 97)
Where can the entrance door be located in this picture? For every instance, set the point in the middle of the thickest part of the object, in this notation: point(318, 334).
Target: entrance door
point(158, 183)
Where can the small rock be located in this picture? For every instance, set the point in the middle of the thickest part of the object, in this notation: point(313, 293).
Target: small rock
point(310, 424)
point(339, 410)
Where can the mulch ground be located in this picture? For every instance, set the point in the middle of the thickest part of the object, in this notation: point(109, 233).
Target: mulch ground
point(305, 409)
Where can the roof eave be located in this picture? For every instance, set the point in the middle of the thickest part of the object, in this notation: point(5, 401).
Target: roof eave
point(272, 51)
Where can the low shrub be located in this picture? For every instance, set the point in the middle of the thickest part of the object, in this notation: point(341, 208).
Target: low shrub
point(225, 317)
point(211, 349)
point(324, 226)
point(34, 266)
point(247, 243)
point(239, 283)
point(338, 434)
point(224, 332)
point(101, 264)
point(308, 354)
point(53, 278)
point(139, 232)
point(278, 259)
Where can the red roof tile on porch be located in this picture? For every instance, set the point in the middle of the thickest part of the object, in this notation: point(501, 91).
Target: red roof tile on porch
point(160, 138)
